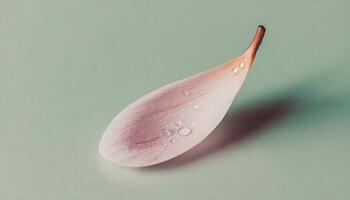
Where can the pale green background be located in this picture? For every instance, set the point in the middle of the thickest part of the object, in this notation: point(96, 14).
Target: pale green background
point(67, 67)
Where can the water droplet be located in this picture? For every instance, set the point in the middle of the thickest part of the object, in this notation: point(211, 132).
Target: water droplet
point(184, 131)
point(165, 132)
point(235, 70)
point(186, 92)
point(172, 141)
point(197, 106)
point(241, 65)
point(163, 144)
point(178, 123)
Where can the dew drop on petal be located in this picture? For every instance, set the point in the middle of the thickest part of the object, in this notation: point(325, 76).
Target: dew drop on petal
point(199, 105)
point(186, 92)
point(241, 65)
point(165, 132)
point(184, 131)
point(235, 70)
point(178, 123)
point(172, 141)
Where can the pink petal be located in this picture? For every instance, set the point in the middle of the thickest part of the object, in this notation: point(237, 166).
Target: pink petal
point(171, 120)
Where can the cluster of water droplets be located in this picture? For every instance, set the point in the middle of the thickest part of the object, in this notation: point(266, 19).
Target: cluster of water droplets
point(236, 69)
point(198, 105)
point(177, 128)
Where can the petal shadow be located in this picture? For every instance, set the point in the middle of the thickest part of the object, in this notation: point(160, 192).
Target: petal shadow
point(236, 127)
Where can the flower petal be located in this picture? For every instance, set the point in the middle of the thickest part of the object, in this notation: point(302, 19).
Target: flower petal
point(170, 120)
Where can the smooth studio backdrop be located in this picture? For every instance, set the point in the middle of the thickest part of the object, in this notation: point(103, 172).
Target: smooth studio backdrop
point(68, 67)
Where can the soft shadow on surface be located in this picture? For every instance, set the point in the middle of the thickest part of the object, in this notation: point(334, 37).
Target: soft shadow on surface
point(235, 128)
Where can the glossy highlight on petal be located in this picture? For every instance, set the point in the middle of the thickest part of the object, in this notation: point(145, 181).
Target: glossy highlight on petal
point(174, 118)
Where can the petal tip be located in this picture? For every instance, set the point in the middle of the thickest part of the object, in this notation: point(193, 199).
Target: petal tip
point(255, 44)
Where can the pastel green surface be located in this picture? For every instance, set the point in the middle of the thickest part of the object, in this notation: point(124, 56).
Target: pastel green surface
point(68, 67)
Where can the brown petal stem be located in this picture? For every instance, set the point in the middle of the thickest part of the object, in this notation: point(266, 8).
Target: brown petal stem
point(254, 45)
